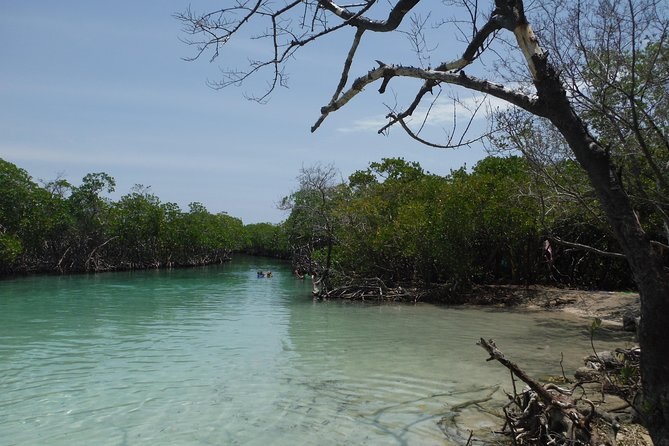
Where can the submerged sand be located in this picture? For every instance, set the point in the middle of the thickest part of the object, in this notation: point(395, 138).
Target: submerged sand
point(609, 306)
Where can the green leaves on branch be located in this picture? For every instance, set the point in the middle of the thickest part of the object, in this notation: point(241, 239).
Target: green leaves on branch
point(403, 225)
point(60, 227)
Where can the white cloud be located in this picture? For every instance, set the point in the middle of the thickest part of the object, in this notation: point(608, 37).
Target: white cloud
point(441, 114)
point(364, 125)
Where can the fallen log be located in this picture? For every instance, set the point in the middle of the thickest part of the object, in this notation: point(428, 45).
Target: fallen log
point(548, 414)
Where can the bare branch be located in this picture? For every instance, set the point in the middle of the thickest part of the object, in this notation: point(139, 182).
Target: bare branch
point(448, 145)
point(587, 248)
point(395, 16)
point(344, 75)
point(389, 71)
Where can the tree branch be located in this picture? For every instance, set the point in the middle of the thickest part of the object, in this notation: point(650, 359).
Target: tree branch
point(395, 16)
point(580, 246)
point(472, 83)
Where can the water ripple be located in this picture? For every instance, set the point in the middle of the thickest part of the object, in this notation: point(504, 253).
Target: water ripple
point(217, 356)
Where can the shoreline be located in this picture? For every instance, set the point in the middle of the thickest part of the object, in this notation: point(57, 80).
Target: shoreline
point(609, 306)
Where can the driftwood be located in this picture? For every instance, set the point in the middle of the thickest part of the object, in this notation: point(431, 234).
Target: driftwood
point(551, 415)
point(369, 289)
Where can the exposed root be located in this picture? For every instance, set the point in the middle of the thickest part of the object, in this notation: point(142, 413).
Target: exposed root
point(551, 415)
point(372, 289)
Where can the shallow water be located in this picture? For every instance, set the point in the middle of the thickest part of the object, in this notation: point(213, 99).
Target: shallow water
point(217, 356)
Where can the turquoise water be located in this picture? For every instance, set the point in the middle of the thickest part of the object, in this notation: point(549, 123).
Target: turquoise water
point(216, 356)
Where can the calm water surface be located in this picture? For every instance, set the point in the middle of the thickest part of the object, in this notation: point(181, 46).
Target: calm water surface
point(216, 356)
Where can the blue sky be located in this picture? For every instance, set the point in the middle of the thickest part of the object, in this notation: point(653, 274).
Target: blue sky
point(90, 86)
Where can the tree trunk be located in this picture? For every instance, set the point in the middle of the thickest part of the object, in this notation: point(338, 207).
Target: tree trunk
point(646, 264)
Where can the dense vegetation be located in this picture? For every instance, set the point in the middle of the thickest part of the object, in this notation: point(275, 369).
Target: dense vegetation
point(59, 227)
point(398, 223)
point(392, 221)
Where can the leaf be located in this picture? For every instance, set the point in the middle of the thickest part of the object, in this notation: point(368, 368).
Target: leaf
point(596, 324)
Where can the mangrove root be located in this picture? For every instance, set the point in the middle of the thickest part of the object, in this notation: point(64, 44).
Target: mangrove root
point(551, 415)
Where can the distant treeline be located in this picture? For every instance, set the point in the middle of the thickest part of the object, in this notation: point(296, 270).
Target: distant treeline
point(500, 222)
point(60, 227)
point(497, 223)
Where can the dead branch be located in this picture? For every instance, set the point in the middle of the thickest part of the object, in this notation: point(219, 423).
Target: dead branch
point(389, 71)
point(587, 248)
point(547, 414)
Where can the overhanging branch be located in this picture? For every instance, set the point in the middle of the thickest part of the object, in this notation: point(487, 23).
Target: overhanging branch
point(395, 16)
point(387, 72)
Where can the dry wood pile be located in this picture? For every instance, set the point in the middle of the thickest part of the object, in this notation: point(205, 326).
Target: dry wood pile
point(548, 414)
point(372, 289)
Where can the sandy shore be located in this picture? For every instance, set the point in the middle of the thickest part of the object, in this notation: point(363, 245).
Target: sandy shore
point(609, 306)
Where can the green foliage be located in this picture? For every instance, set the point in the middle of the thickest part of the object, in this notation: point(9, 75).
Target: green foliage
point(10, 249)
point(396, 222)
point(313, 224)
point(31, 218)
point(631, 119)
point(137, 219)
point(16, 190)
point(595, 325)
point(408, 225)
point(621, 91)
point(266, 239)
point(386, 226)
point(60, 227)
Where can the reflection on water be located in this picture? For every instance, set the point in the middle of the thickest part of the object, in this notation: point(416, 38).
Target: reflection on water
point(217, 356)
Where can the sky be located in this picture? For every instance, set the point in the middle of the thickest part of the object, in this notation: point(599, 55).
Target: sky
point(91, 86)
